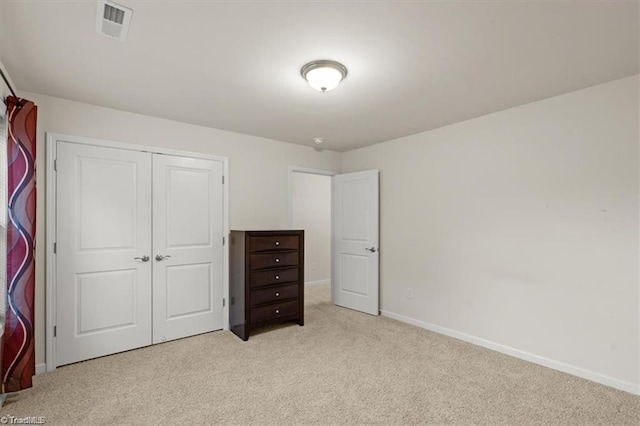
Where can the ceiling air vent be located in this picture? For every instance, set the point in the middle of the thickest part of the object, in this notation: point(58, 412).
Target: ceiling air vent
point(113, 20)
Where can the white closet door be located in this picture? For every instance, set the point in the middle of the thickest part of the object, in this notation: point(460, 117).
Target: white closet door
point(187, 246)
point(103, 233)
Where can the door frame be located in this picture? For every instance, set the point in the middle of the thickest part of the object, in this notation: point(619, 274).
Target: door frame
point(50, 225)
point(329, 173)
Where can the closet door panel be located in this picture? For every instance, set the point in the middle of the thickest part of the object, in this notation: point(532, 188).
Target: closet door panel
point(187, 261)
point(103, 233)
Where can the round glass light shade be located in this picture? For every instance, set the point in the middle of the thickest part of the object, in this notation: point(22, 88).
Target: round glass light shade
point(324, 75)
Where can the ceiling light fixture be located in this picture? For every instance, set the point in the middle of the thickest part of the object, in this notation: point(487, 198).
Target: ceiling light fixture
point(324, 75)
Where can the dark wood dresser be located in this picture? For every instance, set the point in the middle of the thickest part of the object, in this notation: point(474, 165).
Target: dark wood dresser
point(266, 279)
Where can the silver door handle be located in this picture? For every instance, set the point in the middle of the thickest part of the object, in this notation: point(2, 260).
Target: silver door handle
point(144, 258)
point(372, 249)
point(160, 257)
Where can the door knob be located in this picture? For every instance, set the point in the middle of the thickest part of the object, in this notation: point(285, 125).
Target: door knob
point(144, 258)
point(160, 257)
point(371, 250)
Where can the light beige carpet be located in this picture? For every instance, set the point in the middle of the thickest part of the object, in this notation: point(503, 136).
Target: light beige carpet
point(342, 367)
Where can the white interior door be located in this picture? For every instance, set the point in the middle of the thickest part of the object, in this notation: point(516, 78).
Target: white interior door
point(103, 235)
point(187, 246)
point(355, 241)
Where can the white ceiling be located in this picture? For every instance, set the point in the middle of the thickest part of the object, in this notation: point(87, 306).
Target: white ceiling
point(413, 66)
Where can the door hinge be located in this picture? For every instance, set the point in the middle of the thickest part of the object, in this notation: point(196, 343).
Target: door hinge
point(223, 302)
point(55, 331)
point(55, 248)
point(223, 179)
point(55, 165)
point(224, 241)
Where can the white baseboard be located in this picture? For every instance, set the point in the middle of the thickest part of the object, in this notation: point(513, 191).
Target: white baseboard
point(319, 282)
point(623, 385)
point(41, 368)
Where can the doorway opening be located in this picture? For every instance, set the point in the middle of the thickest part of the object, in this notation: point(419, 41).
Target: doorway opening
point(310, 210)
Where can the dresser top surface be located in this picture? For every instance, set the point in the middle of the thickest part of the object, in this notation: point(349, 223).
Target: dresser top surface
point(270, 232)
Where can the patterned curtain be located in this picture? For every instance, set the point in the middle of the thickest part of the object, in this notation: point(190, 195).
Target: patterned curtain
point(18, 351)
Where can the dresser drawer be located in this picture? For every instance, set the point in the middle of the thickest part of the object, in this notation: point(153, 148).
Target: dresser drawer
point(274, 311)
point(274, 294)
point(282, 242)
point(276, 276)
point(274, 260)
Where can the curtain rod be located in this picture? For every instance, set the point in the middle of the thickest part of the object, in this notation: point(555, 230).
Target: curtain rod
point(4, 77)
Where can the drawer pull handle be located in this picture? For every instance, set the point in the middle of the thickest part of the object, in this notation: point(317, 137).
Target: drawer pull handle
point(277, 311)
point(277, 294)
point(277, 243)
point(277, 277)
point(277, 260)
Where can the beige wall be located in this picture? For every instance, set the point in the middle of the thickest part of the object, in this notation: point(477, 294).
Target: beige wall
point(311, 211)
point(520, 227)
point(258, 167)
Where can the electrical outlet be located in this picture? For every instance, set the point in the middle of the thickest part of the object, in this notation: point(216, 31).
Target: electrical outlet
point(409, 293)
